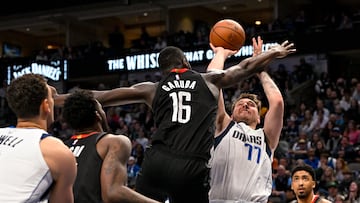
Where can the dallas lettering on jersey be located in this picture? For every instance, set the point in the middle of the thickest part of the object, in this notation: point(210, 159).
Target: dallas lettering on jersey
point(246, 138)
point(10, 141)
point(183, 84)
point(76, 150)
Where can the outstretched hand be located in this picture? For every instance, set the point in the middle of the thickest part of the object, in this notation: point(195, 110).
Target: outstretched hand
point(257, 45)
point(284, 49)
point(226, 52)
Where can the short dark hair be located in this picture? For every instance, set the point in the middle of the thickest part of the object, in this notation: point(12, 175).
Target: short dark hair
point(25, 95)
point(171, 57)
point(304, 167)
point(79, 110)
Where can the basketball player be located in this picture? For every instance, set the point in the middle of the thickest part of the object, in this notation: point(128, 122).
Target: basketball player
point(101, 157)
point(242, 154)
point(303, 182)
point(184, 103)
point(35, 166)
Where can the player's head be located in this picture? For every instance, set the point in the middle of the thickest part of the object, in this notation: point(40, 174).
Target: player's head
point(303, 180)
point(246, 108)
point(82, 111)
point(172, 57)
point(30, 96)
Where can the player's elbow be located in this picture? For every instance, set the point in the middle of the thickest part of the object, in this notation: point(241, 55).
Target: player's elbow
point(112, 195)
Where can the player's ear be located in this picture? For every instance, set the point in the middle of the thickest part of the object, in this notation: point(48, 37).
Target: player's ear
point(45, 106)
point(314, 184)
point(186, 63)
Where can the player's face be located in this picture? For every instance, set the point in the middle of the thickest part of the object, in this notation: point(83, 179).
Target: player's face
point(246, 110)
point(302, 184)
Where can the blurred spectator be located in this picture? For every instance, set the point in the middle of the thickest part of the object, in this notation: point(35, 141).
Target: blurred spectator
point(353, 113)
point(41, 56)
point(116, 41)
point(334, 142)
point(352, 132)
point(345, 22)
point(320, 107)
point(281, 182)
point(327, 176)
point(345, 100)
point(353, 194)
point(132, 171)
point(345, 150)
point(356, 93)
point(345, 183)
point(311, 159)
point(299, 149)
point(320, 148)
point(142, 138)
point(322, 84)
point(161, 43)
point(318, 122)
point(332, 190)
point(306, 122)
point(340, 167)
point(138, 152)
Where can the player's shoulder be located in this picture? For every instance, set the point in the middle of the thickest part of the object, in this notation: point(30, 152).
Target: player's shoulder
point(116, 139)
point(323, 200)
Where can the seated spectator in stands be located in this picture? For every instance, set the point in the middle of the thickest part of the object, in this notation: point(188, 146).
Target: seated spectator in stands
point(132, 171)
point(353, 193)
point(137, 151)
point(332, 190)
point(327, 176)
point(319, 122)
point(334, 141)
point(291, 130)
point(345, 22)
point(345, 183)
point(161, 43)
point(353, 113)
point(339, 116)
point(299, 149)
point(41, 56)
point(340, 167)
point(116, 41)
point(356, 93)
point(344, 102)
point(320, 106)
point(352, 132)
point(345, 150)
point(142, 138)
point(306, 122)
point(281, 182)
point(311, 159)
point(322, 84)
point(320, 148)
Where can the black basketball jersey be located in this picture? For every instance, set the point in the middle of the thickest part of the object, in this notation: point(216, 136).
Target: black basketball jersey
point(184, 111)
point(87, 187)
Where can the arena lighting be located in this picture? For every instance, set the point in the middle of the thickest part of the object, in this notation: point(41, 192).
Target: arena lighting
point(258, 22)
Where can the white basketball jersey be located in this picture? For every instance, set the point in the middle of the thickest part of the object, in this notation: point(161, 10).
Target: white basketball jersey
point(240, 165)
point(25, 176)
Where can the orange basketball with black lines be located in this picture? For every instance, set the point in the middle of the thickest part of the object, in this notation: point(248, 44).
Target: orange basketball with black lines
point(227, 33)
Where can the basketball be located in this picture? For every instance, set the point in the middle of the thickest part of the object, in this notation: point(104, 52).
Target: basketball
point(227, 33)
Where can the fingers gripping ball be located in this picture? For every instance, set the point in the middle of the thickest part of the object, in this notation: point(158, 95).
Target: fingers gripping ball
point(227, 33)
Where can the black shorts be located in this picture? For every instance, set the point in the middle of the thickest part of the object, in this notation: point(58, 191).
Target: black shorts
point(182, 179)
